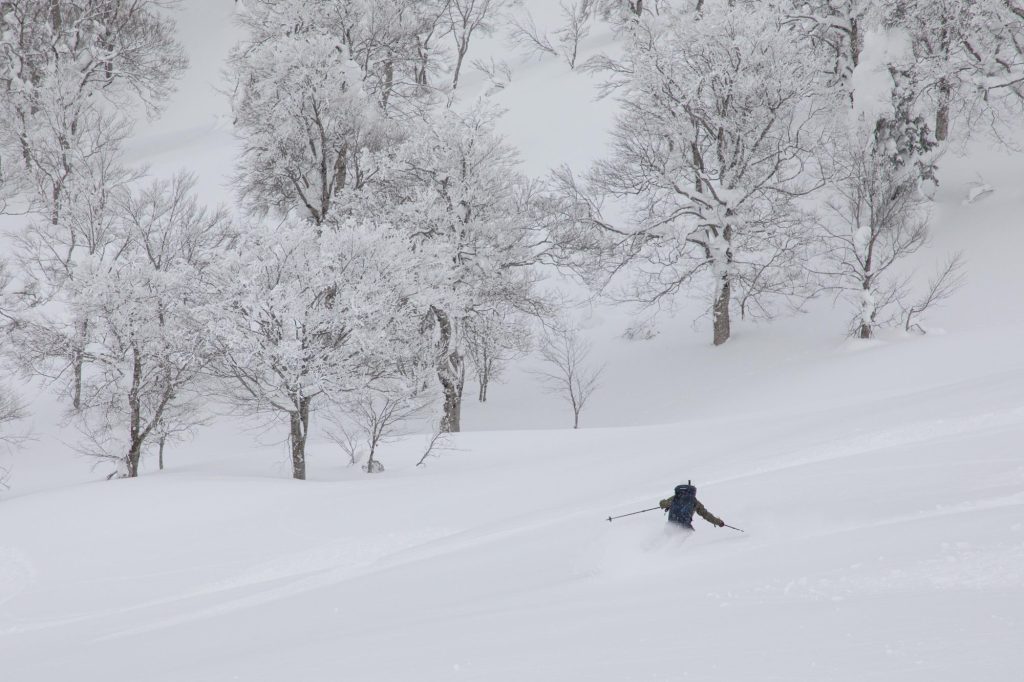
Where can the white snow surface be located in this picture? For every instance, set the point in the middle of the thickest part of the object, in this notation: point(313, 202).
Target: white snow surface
point(880, 485)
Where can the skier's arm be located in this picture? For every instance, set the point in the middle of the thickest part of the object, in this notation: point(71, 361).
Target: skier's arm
point(708, 516)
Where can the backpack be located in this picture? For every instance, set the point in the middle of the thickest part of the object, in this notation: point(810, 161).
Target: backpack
point(683, 504)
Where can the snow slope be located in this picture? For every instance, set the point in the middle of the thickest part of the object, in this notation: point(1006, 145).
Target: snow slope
point(884, 542)
point(881, 487)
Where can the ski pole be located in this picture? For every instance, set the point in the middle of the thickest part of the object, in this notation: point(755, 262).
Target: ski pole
point(612, 518)
point(726, 525)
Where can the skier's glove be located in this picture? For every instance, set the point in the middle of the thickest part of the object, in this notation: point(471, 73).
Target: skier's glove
point(721, 523)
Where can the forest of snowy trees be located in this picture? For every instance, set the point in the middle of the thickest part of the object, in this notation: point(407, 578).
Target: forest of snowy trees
point(385, 245)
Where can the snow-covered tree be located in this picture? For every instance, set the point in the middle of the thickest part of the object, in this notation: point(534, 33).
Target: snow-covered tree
point(881, 144)
point(368, 418)
point(394, 42)
point(147, 344)
point(309, 316)
point(11, 410)
point(456, 187)
point(876, 219)
point(492, 340)
point(79, 225)
point(965, 59)
point(325, 88)
point(969, 58)
point(123, 50)
point(466, 18)
point(713, 148)
point(65, 66)
point(60, 60)
point(306, 123)
point(563, 42)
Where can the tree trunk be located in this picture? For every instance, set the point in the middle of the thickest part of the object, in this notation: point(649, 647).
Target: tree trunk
point(723, 297)
point(721, 311)
point(163, 440)
point(76, 389)
point(134, 455)
point(389, 82)
point(299, 430)
point(450, 373)
point(942, 114)
point(459, 58)
point(135, 417)
point(421, 68)
point(866, 317)
point(77, 362)
point(452, 420)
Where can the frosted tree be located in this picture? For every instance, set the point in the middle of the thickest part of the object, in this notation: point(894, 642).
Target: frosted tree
point(308, 317)
point(875, 220)
point(82, 225)
point(394, 42)
point(57, 59)
point(881, 150)
point(457, 188)
point(967, 57)
point(878, 216)
point(466, 18)
point(64, 65)
point(563, 42)
point(492, 340)
point(11, 408)
point(11, 411)
point(368, 418)
point(710, 156)
point(122, 50)
point(147, 344)
point(305, 121)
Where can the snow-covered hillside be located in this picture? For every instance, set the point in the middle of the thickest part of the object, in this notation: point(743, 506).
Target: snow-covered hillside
point(880, 484)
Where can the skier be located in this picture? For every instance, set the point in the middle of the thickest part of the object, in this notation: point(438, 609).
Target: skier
point(683, 504)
